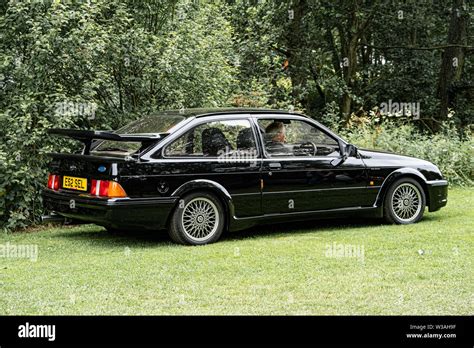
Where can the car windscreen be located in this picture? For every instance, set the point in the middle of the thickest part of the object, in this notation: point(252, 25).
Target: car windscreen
point(147, 125)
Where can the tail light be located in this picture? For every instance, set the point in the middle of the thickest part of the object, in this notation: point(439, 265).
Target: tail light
point(106, 188)
point(53, 182)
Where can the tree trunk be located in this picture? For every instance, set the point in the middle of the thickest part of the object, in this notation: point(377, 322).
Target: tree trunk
point(296, 47)
point(349, 69)
point(452, 59)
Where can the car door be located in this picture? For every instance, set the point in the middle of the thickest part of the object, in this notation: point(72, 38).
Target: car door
point(297, 172)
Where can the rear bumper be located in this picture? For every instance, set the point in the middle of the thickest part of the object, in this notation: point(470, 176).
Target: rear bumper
point(145, 213)
point(437, 194)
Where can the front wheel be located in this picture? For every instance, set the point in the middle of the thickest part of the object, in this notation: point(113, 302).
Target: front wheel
point(198, 219)
point(404, 202)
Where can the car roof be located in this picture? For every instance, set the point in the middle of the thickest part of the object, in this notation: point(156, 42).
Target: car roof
point(200, 112)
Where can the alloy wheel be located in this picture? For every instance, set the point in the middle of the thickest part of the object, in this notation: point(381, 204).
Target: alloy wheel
point(406, 202)
point(200, 219)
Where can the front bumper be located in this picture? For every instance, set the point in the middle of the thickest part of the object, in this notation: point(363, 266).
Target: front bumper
point(146, 213)
point(437, 194)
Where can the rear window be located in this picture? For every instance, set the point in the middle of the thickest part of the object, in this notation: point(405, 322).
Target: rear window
point(147, 125)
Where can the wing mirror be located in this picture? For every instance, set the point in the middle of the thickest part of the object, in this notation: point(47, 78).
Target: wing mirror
point(349, 150)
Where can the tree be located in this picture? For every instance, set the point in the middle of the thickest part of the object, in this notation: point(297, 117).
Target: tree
point(453, 57)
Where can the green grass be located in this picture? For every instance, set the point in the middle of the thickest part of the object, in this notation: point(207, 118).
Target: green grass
point(266, 270)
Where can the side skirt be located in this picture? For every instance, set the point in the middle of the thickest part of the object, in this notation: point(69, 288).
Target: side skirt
point(237, 224)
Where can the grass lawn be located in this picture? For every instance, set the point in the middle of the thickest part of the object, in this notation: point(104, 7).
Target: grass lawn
point(426, 268)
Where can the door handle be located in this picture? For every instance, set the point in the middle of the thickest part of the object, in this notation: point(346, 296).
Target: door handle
point(275, 166)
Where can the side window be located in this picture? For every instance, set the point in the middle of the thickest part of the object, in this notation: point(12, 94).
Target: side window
point(229, 138)
point(283, 138)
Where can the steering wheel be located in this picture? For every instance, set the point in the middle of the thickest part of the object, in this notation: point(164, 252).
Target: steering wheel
point(310, 146)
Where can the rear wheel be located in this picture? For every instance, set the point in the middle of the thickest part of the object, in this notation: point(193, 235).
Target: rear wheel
point(198, 219)
point(404, 202)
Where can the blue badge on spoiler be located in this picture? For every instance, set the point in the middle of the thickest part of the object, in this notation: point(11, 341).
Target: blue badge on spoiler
point(102, 169)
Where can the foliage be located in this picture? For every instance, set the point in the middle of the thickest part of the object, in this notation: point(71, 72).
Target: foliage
point(452, 152)
point(94, 55)
point(363, 52)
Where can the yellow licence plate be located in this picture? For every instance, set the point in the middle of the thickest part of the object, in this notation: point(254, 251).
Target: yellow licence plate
point(73, 183)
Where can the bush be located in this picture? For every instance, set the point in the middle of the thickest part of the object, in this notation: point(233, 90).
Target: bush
point(451, 151)
point(94, 65)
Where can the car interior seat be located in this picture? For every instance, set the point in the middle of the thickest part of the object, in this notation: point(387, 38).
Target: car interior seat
point(214, 142)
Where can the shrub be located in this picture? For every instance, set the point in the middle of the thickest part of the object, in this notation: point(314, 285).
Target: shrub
point(451, 151)
point(57, 59)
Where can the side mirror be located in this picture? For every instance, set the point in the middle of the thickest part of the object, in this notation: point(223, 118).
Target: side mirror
point(348, 151)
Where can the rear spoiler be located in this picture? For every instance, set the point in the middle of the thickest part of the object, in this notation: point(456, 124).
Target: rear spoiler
point(88, 136)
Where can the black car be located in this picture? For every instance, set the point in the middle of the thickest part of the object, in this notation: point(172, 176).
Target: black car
point(201, 172)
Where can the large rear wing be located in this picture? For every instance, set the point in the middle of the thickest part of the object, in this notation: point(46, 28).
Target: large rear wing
point(89, 136)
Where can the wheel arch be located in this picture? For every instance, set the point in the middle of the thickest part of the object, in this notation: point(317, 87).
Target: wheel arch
point(205, 185)
point(402, 173)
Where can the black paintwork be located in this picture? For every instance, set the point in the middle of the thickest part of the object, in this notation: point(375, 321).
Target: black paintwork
point(264, 190)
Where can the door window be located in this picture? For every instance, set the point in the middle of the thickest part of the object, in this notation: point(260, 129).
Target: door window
point(288, 138)
point(227, 138)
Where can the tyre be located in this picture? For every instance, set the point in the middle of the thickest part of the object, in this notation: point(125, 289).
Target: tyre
point(404, 202)
point(198, 219)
